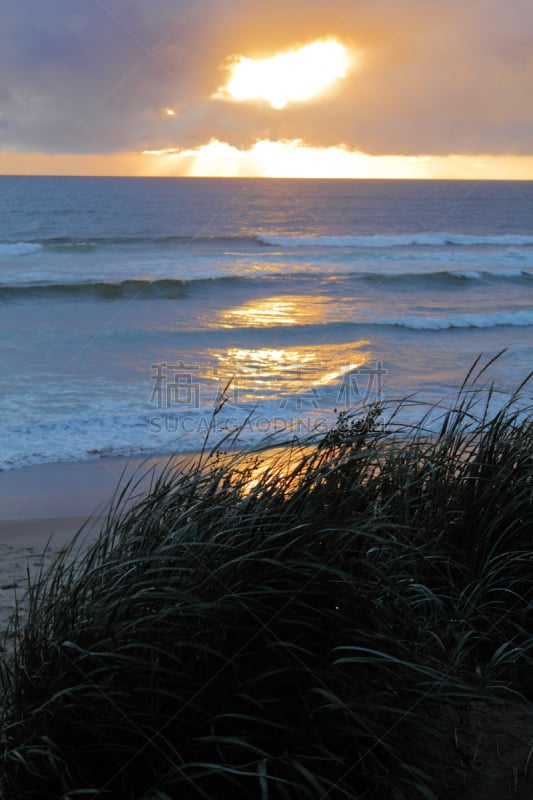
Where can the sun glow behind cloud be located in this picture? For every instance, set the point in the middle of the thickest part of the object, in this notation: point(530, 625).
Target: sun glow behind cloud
point(445, 86)
point(267, 159)
point(294, 76)
point(293, 159)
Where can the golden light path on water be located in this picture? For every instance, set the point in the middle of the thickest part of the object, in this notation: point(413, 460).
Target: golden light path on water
point(283, 310)
point(298, 371)
point(294, 374)
point(264, 313)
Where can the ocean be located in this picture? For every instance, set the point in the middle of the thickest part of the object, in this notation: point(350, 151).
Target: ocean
point(132, 310)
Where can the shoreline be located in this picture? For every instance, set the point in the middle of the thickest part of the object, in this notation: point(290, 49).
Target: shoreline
point(78, 489)
point(43, 507)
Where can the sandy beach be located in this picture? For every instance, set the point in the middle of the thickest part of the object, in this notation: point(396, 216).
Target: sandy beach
point(43, 507)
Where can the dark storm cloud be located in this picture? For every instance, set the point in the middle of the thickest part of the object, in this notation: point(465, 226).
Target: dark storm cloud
point(433, 77)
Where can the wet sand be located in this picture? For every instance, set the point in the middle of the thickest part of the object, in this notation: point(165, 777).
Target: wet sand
point(43, 507)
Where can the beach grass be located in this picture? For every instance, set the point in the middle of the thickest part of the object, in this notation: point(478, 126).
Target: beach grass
point(309, 624)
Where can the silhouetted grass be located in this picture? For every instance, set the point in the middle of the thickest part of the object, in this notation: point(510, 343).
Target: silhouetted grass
point(293, 626)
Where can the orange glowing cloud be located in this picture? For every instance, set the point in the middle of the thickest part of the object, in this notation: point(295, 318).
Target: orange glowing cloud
point(297, 75)
point(447, 85)
point(268, 159)
point(294, 159)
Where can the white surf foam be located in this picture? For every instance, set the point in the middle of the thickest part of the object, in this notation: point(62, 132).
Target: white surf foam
point(399, 240)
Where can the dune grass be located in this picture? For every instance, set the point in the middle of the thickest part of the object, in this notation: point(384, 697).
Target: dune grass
point(306, 625)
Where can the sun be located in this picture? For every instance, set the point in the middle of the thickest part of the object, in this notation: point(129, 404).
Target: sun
point(294, 76)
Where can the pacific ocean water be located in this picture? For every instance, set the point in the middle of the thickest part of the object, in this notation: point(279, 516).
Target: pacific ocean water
point(131, 309)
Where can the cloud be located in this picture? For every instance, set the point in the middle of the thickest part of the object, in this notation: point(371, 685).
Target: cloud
point(432, 78)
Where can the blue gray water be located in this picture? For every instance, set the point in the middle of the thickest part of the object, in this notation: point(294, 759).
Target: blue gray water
point(127, 305)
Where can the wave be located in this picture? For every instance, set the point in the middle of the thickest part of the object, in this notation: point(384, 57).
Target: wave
point(66, 243)
point(399, 240)
point(168, 288)
point(259, 240)
point(523, 318)
point(19, 249)
point(336, 332)
point(493, 320)
point(446, 276)
point(165, 288)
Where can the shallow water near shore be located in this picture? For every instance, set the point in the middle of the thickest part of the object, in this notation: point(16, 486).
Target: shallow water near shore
point(128, 306)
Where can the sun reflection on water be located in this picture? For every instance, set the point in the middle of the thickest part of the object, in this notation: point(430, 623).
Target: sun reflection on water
point(266, 373)
point(273, 311)
point(307, 373)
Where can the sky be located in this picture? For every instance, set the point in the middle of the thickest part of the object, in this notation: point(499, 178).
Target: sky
point(424, 88)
